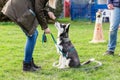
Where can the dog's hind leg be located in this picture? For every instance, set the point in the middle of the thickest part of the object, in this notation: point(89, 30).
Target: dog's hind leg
point(67, 62)
point(74, 63)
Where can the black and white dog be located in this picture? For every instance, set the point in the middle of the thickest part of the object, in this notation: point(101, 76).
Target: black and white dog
point(68, 54)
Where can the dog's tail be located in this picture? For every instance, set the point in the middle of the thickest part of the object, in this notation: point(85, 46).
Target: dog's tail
point(92, 60)
point(97, 64)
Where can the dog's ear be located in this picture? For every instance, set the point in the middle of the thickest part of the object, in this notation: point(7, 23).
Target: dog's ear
point(67, 27)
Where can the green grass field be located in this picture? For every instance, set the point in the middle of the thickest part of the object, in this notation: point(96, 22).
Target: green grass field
point(12, 42)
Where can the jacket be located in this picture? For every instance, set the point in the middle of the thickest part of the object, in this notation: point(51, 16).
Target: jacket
point(116, 3)
point(41, 12)
point(26, 15)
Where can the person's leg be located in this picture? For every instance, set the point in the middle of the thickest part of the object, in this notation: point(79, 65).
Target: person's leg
point(29, 48)
point(28, 64)
point(114, 23)
point(115, 20)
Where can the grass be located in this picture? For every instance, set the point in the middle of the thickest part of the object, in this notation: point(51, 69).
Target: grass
point(12, 41)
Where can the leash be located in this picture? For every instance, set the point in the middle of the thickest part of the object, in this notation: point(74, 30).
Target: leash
point(92, 60)
point(71, 49)
point(65, 55)
point(44, 39)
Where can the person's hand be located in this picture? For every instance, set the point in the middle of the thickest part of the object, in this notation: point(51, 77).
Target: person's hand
point(47, 31)
point(51, 15)
point(110, 6)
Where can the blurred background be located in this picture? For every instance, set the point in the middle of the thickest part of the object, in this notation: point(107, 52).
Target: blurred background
point(74, 9)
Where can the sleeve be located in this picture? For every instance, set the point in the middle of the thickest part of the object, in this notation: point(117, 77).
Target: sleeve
point(40, 14)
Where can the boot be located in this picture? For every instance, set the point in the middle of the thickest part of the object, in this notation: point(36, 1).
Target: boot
point(28, 67)
point(34, 65)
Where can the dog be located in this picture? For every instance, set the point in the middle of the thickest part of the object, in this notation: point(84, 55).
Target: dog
point(68, 54)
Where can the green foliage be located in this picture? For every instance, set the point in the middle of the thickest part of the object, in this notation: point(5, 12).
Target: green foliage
point(12, 41)
point(59, 8)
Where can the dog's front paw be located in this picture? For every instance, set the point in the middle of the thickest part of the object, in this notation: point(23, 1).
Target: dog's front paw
point(61, 67)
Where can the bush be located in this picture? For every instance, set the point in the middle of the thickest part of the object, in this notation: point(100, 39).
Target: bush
point(59, 8)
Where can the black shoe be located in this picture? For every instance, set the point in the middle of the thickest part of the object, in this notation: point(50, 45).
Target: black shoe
point(28, 67)
point(109, 53)
point(34, 65)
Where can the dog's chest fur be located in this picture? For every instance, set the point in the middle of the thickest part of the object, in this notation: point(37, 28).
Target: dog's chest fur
point(65, 45)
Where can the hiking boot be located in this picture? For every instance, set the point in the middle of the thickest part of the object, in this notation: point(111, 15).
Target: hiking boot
point(109, 53)
point(34, 65)
point(28, 67)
